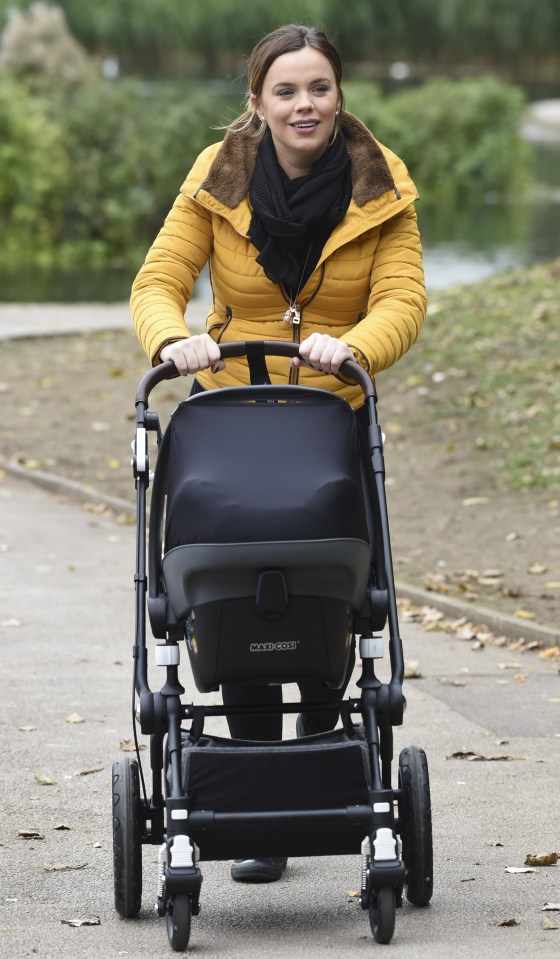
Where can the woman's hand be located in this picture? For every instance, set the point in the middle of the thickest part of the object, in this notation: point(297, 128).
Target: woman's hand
point(194, 354)
point(322, 352)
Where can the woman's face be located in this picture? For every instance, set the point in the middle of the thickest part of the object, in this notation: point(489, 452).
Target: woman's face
point(299, 101)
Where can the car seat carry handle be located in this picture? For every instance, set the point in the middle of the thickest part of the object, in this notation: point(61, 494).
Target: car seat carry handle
point(168, 371)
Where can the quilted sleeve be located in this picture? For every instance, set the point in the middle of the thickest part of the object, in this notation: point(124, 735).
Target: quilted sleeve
point(165, 282)
point(397, 302)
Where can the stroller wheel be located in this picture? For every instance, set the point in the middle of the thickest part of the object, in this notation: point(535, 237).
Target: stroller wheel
point(382, 915)
point(128, 824)
point(179, 922)
point(415, 816)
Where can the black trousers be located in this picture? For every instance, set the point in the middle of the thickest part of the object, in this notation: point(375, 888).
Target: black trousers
point(268, 726)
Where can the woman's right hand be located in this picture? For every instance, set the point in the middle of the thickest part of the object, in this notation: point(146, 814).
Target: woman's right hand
point(193, 354)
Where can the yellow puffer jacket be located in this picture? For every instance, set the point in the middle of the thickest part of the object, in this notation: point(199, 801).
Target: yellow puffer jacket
point(367, 288)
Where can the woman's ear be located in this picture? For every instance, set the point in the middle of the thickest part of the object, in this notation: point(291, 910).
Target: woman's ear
point(254, 103)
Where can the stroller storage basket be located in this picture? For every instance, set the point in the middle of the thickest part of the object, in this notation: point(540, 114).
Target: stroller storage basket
point(290, 782)
point(266, 549)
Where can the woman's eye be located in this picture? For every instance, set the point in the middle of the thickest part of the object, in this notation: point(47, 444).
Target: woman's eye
point(284, 93)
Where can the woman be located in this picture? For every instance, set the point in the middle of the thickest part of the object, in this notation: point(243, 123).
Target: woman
point(310, 232)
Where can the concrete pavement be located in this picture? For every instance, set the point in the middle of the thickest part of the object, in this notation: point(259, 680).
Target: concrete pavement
point(66, 626)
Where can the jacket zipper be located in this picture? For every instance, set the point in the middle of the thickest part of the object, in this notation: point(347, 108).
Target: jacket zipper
point(293, 315)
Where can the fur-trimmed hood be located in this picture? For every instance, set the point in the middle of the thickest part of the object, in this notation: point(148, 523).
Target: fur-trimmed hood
point(229, 176)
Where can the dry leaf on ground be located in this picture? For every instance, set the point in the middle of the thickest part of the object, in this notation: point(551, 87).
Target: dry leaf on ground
point(30, 834)
point(43, 780)
point(75, 719)
point(86, 921)
point(514, 870)
point(542, 859)
point(88, 772)
point(478, 757)
point(63, 866)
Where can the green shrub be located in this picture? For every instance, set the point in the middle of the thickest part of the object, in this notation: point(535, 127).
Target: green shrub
point(460, 139)
point(34, 173)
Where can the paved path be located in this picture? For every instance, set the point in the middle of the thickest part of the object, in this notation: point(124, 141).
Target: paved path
point(66, 626)
point(53, 319)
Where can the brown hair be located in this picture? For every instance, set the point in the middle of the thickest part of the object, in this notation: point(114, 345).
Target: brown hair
point(286, 39)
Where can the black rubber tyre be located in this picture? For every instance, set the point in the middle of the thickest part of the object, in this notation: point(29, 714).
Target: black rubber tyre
point(382, 915)
point(179, 922)
point(128, 825)
point(415, 814)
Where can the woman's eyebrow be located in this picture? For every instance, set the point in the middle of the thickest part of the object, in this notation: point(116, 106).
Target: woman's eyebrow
point(291, 83)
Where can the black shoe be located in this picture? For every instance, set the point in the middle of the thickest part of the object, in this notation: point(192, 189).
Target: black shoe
point(257, 870)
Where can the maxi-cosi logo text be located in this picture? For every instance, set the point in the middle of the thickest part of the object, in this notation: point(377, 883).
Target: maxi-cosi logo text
point(273, 647)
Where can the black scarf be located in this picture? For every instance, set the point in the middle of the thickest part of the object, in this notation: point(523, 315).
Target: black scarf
point(293, 219)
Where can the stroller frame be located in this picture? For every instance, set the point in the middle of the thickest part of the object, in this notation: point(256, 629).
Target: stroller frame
point(166, 817)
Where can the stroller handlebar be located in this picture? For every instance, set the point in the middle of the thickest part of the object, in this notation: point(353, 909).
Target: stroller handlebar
point(168, 370)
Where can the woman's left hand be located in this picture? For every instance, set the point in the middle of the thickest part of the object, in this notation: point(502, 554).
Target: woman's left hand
point(322, 352)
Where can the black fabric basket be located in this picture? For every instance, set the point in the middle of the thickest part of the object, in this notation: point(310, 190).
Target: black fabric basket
point(328, 772)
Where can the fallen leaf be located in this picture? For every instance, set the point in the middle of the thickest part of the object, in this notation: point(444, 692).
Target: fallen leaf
point(551, 907)
point(75, 719)
point(524, 614)
point(508, 922)
point(86, 921)
point(62, 826)
point(44, 780)
point(478, 757)
point(537, 569)
point(552, 584)
point(114, 464)
point(519, 869)
point(63, 866)
point(412, 670)
point(88, 772)
point(548, 923)
point(542, 859)
point(27, 729)
point(353, 894)
point(550, 653)
point(475, 501)
point(30, 834)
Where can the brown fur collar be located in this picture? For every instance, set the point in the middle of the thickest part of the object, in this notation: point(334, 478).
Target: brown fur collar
point(230, 174)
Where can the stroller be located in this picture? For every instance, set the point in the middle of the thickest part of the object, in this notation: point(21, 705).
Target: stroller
point(268, 554)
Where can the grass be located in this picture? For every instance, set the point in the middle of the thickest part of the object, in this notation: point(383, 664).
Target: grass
point(486, 371)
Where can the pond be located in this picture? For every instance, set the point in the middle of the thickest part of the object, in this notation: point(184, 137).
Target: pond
point(461, 245)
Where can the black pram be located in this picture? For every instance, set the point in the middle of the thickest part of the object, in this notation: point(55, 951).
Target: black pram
point(268, 554)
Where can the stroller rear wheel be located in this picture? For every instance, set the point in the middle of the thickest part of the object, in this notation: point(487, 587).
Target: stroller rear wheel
point(382, 915)
point(415, 816)
point(128, 823)
point(179, 922)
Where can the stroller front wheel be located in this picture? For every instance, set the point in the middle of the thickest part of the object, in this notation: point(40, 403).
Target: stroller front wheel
point(179, 922)
point(382, 915)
